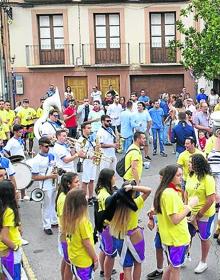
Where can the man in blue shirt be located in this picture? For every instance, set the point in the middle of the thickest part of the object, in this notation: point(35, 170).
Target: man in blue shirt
point(157, 116)
point(126, 126)
point(181, 132)
point(141, 121)
point(144, 98)
point(201, 96)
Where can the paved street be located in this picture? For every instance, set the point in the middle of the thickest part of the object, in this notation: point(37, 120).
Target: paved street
point(42, 251)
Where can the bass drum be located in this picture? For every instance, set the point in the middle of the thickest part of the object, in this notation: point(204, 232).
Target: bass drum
point(23, 175)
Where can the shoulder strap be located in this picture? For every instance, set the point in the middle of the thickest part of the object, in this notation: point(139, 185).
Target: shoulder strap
point(125, 156)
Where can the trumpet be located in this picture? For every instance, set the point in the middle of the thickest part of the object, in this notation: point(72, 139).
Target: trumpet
point(71, 142)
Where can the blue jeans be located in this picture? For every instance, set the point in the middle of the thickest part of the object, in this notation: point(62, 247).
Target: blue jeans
point(165, 133)
point(127, 143)
point(159, 132)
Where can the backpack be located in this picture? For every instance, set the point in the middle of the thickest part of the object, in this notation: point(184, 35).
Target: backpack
point(120, 166)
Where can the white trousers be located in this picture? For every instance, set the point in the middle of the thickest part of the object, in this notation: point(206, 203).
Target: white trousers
point(49, 216)
point(109, 164)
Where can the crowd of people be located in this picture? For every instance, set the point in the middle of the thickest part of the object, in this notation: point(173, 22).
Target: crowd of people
point(87, 140)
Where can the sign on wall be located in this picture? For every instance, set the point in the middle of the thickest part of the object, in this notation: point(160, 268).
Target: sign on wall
point(19, 85)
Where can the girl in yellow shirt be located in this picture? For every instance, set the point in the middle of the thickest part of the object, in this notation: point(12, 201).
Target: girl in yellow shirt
point(10, 240)
point(201, 183)
point(79, 234)
point(69, 181)
point(129, 236)
point(172, 222)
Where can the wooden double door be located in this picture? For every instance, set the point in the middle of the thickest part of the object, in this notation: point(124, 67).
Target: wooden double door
point(105, 81)
point(79, 86)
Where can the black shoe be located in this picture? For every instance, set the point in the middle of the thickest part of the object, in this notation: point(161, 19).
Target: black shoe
point(48, 231)
point(148, 158)
point(90, 201)
point(163, 154)
point(101, 273)
point(154, 153)
point(155, 274)
point(168, 144)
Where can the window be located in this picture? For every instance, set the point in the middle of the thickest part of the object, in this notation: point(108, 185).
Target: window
point(162, 30)
point(107, 38)
point(51, 39)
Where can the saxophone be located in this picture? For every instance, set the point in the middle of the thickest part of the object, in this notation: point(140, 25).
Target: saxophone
point(97, 152)
point(119, 140)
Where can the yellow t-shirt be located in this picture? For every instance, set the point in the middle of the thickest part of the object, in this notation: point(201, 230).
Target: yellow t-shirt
point(183, 160)
point(217, 107)
point(202, 189)
point(134, 155)
point(4, 129)
point(5, 117)
point(14, 234)
point(76, 251)
point(60, 205)
point(171, 234)
point(134, 215)
point(210, 144)
point(11, 117)
point(26, 113)
point(39, 112)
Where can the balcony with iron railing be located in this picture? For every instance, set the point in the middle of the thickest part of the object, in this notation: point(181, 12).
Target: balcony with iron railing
point(103, 55)
point(156, 54)
point(44, 55)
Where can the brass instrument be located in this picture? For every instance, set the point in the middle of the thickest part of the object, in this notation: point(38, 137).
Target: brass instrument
point(98, 155)
point(120, 140)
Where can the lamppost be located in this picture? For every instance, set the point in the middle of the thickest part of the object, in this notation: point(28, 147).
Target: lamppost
point(13, 80)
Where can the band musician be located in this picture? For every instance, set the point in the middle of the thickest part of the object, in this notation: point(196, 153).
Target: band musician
point(89, 168)
point(107, 139)
point(65, 154)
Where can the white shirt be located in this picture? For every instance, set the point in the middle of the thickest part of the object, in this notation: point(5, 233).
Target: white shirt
point(43, 165)
point(191, 108)
point(61, 151)
point(134, 107)
point(95, 115)
point(96, 96)
point(15, 147)
point(49, 129)
point(114, 111)
point(106, 138)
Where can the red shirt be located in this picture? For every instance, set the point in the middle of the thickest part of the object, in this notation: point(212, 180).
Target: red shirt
point(71, 122)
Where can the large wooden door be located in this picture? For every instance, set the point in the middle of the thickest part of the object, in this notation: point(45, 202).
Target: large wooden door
point(105, 81)
point(78, 86)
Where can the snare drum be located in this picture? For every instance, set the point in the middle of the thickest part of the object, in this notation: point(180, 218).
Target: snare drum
point(23, 175)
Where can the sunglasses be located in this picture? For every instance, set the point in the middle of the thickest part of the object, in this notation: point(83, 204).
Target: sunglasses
point(56, 116)
point(108, 121)
point(46, 146)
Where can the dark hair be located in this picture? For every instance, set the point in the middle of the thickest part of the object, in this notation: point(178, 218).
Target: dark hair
point(53, 111)
point(25, 100)
point(137, 135)
point(129, 104)
point(162, 171)
point(71, 100)
point(58, 132)
point(115, 96)
point(142, 103)
point(167, 177)
point(66, 180)
point(178, 103)
point(67, 88)
point(200, 166)
point(191, 139)
point(83, 125)
point(1, 100)
point(104, 117)
point(7, 101)
point(96, 101)
point(44, 140)
point(134, 93)
point(8, 199)
point(182, 116)
point(17, 127)
point(189, 113)
point(104, 180)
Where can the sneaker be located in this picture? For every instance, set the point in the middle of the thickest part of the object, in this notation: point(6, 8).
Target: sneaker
point(201, 267)
point(48, 231)
point(24, 242)
point(101, 274)
point(90, 201)
point(168, 144)
point(154, 153)
point(148, 158)
point(155, 274)
point(216, 234)
point(163, 154)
